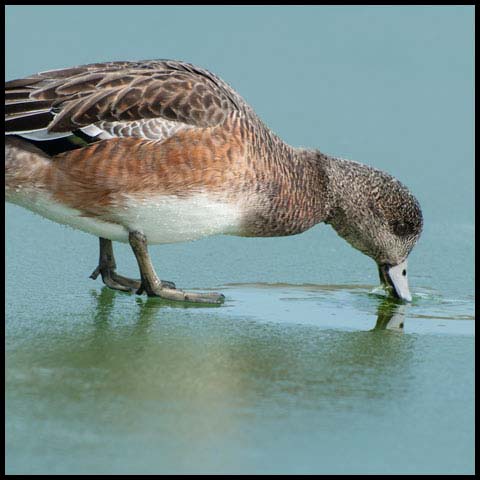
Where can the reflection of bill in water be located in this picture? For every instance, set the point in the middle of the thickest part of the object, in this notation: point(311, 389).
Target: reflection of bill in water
point(390, 316)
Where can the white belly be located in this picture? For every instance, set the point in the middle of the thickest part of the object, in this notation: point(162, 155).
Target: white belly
point(170, 219)
point(162, 219)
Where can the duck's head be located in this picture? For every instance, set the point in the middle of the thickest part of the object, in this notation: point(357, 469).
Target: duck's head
point(379, 216)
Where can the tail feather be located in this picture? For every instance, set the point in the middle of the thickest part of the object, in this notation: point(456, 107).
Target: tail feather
point(23, 113)
point(27, 122)
point(16, 108)
point(22, 82)
point(30, 105)
point(16, 94)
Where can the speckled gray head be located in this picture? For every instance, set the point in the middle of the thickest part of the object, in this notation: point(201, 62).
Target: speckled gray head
point(378, 215)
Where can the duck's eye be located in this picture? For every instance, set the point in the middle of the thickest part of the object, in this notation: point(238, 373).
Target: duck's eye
point(402, 228)
point(404, 273)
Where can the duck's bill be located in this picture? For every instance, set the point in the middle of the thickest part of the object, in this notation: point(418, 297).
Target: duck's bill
point(396, 277)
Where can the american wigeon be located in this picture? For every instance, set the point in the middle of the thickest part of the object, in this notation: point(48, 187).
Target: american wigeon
point(163, 151)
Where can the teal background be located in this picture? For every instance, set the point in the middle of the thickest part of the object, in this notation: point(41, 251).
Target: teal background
point(286, 377)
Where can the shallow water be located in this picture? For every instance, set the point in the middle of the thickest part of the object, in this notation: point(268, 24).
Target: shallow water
point(284, 378)
point(307, 367)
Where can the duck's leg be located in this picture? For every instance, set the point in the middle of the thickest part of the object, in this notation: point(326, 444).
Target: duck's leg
point(106, 267)
point(153, 286)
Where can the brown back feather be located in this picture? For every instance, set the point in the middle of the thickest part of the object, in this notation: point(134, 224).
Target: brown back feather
point(120, 92)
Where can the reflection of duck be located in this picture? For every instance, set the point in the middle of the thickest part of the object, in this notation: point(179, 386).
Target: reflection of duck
point(390, 316)
point(147, 311)
point(390, 312)
point(163, 151)
point(232, 359)
point(105, 309)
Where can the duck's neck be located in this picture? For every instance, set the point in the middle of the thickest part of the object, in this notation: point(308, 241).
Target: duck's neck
point(294, 190)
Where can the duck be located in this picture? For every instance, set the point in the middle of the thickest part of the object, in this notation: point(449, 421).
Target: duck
point(163, 151)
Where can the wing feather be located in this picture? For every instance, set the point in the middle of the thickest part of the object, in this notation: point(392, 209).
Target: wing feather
point(121, 98)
